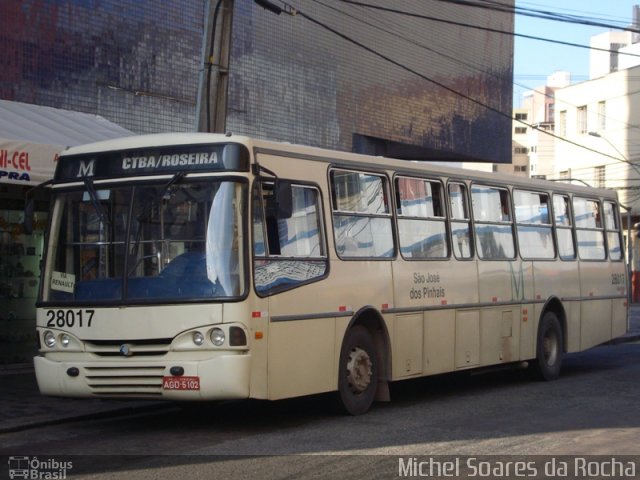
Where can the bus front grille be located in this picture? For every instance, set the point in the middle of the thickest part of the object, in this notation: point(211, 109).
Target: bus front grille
point(128, 348)
point(129, 381)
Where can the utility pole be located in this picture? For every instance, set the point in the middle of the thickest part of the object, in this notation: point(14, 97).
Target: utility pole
point(211, 109)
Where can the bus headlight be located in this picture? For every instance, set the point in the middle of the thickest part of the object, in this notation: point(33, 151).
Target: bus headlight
point(217, 337)
point(49, 339)
point(65, 340)
point(198, 338)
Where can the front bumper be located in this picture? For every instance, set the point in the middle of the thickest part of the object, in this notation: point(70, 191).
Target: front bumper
point(223, 376)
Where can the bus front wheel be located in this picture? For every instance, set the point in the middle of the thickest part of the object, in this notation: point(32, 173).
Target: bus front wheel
point(549, 348)
point(358, 374)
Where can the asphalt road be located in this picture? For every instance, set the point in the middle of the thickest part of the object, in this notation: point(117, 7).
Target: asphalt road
point(593, 409)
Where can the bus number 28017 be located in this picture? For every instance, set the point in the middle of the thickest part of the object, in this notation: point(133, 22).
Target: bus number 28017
point(69, 318)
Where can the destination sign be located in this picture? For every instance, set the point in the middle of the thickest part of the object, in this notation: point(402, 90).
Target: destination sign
point(153, 161)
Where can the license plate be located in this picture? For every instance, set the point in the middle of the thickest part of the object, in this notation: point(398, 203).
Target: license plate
point(181, 383)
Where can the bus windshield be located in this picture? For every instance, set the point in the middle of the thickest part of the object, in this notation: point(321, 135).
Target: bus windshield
point(165, 240)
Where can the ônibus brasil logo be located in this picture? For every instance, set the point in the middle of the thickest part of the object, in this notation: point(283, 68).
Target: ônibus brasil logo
point(32, 468)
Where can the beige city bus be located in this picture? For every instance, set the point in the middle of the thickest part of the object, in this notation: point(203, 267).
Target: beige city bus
point(204, 267)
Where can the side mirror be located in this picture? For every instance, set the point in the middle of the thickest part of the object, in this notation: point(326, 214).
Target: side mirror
point(284, 198)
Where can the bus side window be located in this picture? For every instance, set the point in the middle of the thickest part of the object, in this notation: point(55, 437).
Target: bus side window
point(493, 223)
point(533, 224)
point(293, 252)
point(612, 225)
point(460, 221)
point(421, 219)
point(361, 215)
point(265, 221)
point(589, 230)
point(564, 227)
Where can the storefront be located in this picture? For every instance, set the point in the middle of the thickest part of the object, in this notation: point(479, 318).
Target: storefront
point(31, 138)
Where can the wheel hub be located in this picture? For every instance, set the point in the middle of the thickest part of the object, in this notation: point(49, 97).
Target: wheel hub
point(359, 370)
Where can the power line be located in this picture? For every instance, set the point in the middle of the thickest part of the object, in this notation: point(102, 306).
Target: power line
point(486, 29)
point(441, 85)
point(293, 11)
point(536, 13)
point(432, 50)
point(623, 21)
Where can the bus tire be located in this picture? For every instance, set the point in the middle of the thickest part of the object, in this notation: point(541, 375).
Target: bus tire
point(358, 371)
point(549, 350)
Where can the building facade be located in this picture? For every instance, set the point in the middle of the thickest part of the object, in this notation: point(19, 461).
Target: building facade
point(600, 138)
point(361, 79)
point(520, 141)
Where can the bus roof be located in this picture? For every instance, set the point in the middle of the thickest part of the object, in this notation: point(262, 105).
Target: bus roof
point(329, 156)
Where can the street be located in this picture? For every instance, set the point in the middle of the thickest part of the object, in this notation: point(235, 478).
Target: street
point(591, 410)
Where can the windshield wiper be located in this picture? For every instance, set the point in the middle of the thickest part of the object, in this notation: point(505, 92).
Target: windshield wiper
point(95, 201)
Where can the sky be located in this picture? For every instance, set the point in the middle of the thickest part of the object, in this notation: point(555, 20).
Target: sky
point(535, 60)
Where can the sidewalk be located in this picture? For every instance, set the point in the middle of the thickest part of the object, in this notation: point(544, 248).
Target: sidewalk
point(23, 407)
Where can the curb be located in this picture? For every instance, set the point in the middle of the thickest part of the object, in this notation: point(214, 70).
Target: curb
point(115, 412)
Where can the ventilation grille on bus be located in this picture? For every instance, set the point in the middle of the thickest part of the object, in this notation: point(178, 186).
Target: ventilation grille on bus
point(126, 381)
point(128, 348)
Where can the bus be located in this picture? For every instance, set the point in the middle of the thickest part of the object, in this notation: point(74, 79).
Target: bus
point(207, 267)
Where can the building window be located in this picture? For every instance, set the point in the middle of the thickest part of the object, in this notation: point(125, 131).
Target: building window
point(551, 112)
point(521, 130)
point(602, 116)
point(521, 116)
point(582, 119)
point(613, 56)
point(562, 126)
point(599, 176)
point(519, 168)
point(521, 150)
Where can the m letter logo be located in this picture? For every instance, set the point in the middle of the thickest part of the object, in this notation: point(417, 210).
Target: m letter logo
point(86, 170)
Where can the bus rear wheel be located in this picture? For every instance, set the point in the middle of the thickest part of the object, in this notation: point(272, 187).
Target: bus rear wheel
point(358, 371)
point(549, 348)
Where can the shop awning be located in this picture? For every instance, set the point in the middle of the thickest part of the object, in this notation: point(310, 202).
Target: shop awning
point(32, 137)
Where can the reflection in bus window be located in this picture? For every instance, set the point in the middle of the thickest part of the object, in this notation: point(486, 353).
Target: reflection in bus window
point(294, 251)
point(460, 221)
point(535, 238)
point(421, 219)
point(589, 232)
point(494, 230)
point(612, 225)
point(361, 217)
point(564, 227)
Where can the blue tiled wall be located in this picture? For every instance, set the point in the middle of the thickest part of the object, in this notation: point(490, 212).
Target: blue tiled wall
point(133, 62)
point(137, 63)
point(293, 80)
